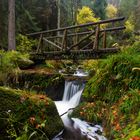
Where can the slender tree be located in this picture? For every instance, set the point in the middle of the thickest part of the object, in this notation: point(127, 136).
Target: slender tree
point(137, 16)
point(1, 16)
point(11, 25)
point(59, 13)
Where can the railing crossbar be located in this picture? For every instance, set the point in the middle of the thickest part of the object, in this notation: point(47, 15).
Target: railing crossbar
point(78, 26)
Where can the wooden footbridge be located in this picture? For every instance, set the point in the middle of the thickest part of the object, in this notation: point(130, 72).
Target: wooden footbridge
point(86, 41)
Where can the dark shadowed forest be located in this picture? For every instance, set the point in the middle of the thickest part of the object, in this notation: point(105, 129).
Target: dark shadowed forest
point(33, 81)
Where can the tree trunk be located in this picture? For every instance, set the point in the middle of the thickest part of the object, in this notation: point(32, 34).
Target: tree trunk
point(59, 15)
point(1, 19)
point(137, 16)
point(11, 25)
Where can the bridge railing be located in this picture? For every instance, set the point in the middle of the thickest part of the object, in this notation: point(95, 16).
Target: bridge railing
point(89, 36)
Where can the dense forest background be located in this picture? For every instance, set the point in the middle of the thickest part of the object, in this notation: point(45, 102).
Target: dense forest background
point(111, 97)
point(37, 15)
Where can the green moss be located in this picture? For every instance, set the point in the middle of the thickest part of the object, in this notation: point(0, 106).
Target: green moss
point(28, 113)
point(35, 81)
point(8, 100)
point(132, 129)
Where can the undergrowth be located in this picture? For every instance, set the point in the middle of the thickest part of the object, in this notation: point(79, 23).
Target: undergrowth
point(112, 95)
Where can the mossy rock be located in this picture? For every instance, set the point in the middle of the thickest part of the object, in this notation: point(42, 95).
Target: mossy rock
point(24, 63)
point(50, 84)
point(20, 110)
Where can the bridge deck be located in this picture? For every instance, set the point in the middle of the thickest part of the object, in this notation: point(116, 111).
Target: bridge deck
point(83, 54)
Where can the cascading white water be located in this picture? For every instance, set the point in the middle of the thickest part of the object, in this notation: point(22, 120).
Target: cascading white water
point(81, 73)
point(71, 99)
point(71, 88)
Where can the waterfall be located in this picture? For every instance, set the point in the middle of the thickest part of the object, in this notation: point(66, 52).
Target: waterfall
point(71, 97)
point(71, 88)
point(75, 129)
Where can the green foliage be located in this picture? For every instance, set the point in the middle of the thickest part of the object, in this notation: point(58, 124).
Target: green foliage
point(99, 7)
point(90, 64)
point(130, 102)
point(127, 7)
point(115, 76)
point(38, 81)
point(54, 64)
point(130, 9)
point(129, 24)
point(112, 95)
point(9, 64)
point(25, 45)
point(90, 112)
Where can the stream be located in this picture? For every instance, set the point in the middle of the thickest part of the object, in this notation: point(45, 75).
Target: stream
point(75, 129)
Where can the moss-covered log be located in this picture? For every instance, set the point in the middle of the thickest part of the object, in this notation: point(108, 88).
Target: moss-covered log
point(50, 84)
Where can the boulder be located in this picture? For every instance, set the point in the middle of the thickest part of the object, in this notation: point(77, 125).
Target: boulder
point(24, 63)
point(23, 113)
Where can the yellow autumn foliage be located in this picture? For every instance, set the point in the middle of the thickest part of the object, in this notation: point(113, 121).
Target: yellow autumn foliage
point(86, 15)
point(111, 11)
point(129, 27)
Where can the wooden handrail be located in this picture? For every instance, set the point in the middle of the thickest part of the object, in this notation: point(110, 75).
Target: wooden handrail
point(68, 42)
point(77, 26)
point(88, 32)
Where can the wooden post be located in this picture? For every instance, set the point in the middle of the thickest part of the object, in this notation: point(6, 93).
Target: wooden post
point(52, 43)
point(64, 41)
point(96, 42)
point(39, 43)
point(104, 39)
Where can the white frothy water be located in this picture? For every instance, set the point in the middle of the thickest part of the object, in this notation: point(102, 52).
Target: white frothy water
point(71, 88)
point(89, 131)
point(71, 99)
point(65, 106)
point(81, 73)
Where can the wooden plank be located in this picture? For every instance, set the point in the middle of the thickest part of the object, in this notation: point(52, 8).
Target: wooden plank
point(96, 42)
point(89, 32)
point(93, 32)
point(64, 41)
point(39, 43)
point(104, 50)
point(90, 43)
point(56, 42)
point(114, 29)
point(83, 54)
point(70, 35)
point(52, 43)
point(104, 40)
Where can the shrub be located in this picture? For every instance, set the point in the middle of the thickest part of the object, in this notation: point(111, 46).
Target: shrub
point(86, 15)
point(24, 44)
point(114, 76)
point(112, 95)
point(9, 64)
point(111, 11)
